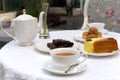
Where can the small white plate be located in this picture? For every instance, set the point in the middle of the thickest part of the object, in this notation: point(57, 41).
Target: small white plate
point(104, 31)
point(81, 48)
point(54, 68)
point(42, 45)
point(80, 39)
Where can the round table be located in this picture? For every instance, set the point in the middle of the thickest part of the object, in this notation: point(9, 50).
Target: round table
point(26, 63)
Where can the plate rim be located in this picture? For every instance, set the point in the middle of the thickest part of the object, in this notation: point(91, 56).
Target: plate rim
point(100, 54)
point(38, 43)
point(80, 38)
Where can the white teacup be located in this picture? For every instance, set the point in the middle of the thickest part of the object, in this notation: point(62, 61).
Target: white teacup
point(67, 56)
point(98, 25)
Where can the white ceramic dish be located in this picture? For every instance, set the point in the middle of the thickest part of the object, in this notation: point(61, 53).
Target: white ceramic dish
point(80, 39)
point(81, 48)
point(42, 45)
point(98, 25)
point(54, 68)
point(104, 31)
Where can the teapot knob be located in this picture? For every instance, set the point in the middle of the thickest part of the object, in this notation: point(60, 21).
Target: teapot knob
point(24, 11)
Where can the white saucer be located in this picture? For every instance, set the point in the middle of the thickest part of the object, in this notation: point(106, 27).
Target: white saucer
point(54, 68)
point(42, 45)
point(81, 48)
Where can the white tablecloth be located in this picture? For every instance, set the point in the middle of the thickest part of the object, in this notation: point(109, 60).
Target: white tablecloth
point(25, 63)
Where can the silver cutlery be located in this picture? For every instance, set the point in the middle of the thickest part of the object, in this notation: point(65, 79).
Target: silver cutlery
point(70, 67)
point(74, 65)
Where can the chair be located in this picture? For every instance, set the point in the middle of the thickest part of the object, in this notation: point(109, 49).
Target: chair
point(85, 13)
point(106, 11)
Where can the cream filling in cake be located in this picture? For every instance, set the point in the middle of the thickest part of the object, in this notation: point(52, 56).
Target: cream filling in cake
point(89, 45)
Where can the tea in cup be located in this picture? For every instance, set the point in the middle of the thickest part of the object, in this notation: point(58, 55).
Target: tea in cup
point(66, 56)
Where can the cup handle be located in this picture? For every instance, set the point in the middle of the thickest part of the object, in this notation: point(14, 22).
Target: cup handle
point(1, 19)
point(84, 55)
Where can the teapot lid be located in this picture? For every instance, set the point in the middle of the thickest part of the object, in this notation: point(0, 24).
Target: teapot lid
point(24, 17)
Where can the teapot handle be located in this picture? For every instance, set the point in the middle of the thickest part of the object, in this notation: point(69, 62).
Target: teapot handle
point(1, 20)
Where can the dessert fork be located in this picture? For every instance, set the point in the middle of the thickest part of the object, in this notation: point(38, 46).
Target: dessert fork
point(70, 67)
point(74, 65)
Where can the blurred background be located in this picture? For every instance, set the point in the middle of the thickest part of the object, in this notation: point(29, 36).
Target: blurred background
point(61, 15)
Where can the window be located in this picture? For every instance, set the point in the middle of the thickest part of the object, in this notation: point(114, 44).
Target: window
point(57, 3)
point(10, 5)
point(2, 5)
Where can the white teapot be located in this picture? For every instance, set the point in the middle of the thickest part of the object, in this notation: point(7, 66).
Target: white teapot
point(25, 28)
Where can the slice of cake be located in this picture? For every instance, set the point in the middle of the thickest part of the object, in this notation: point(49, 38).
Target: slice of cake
point(100, 45)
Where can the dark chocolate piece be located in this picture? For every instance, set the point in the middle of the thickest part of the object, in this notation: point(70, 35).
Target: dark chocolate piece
point(111, 38)
point(51, 45)
point(88, 39)
point(59, 43)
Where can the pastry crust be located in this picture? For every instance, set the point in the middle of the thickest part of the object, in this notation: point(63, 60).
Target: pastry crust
point(91, 33)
